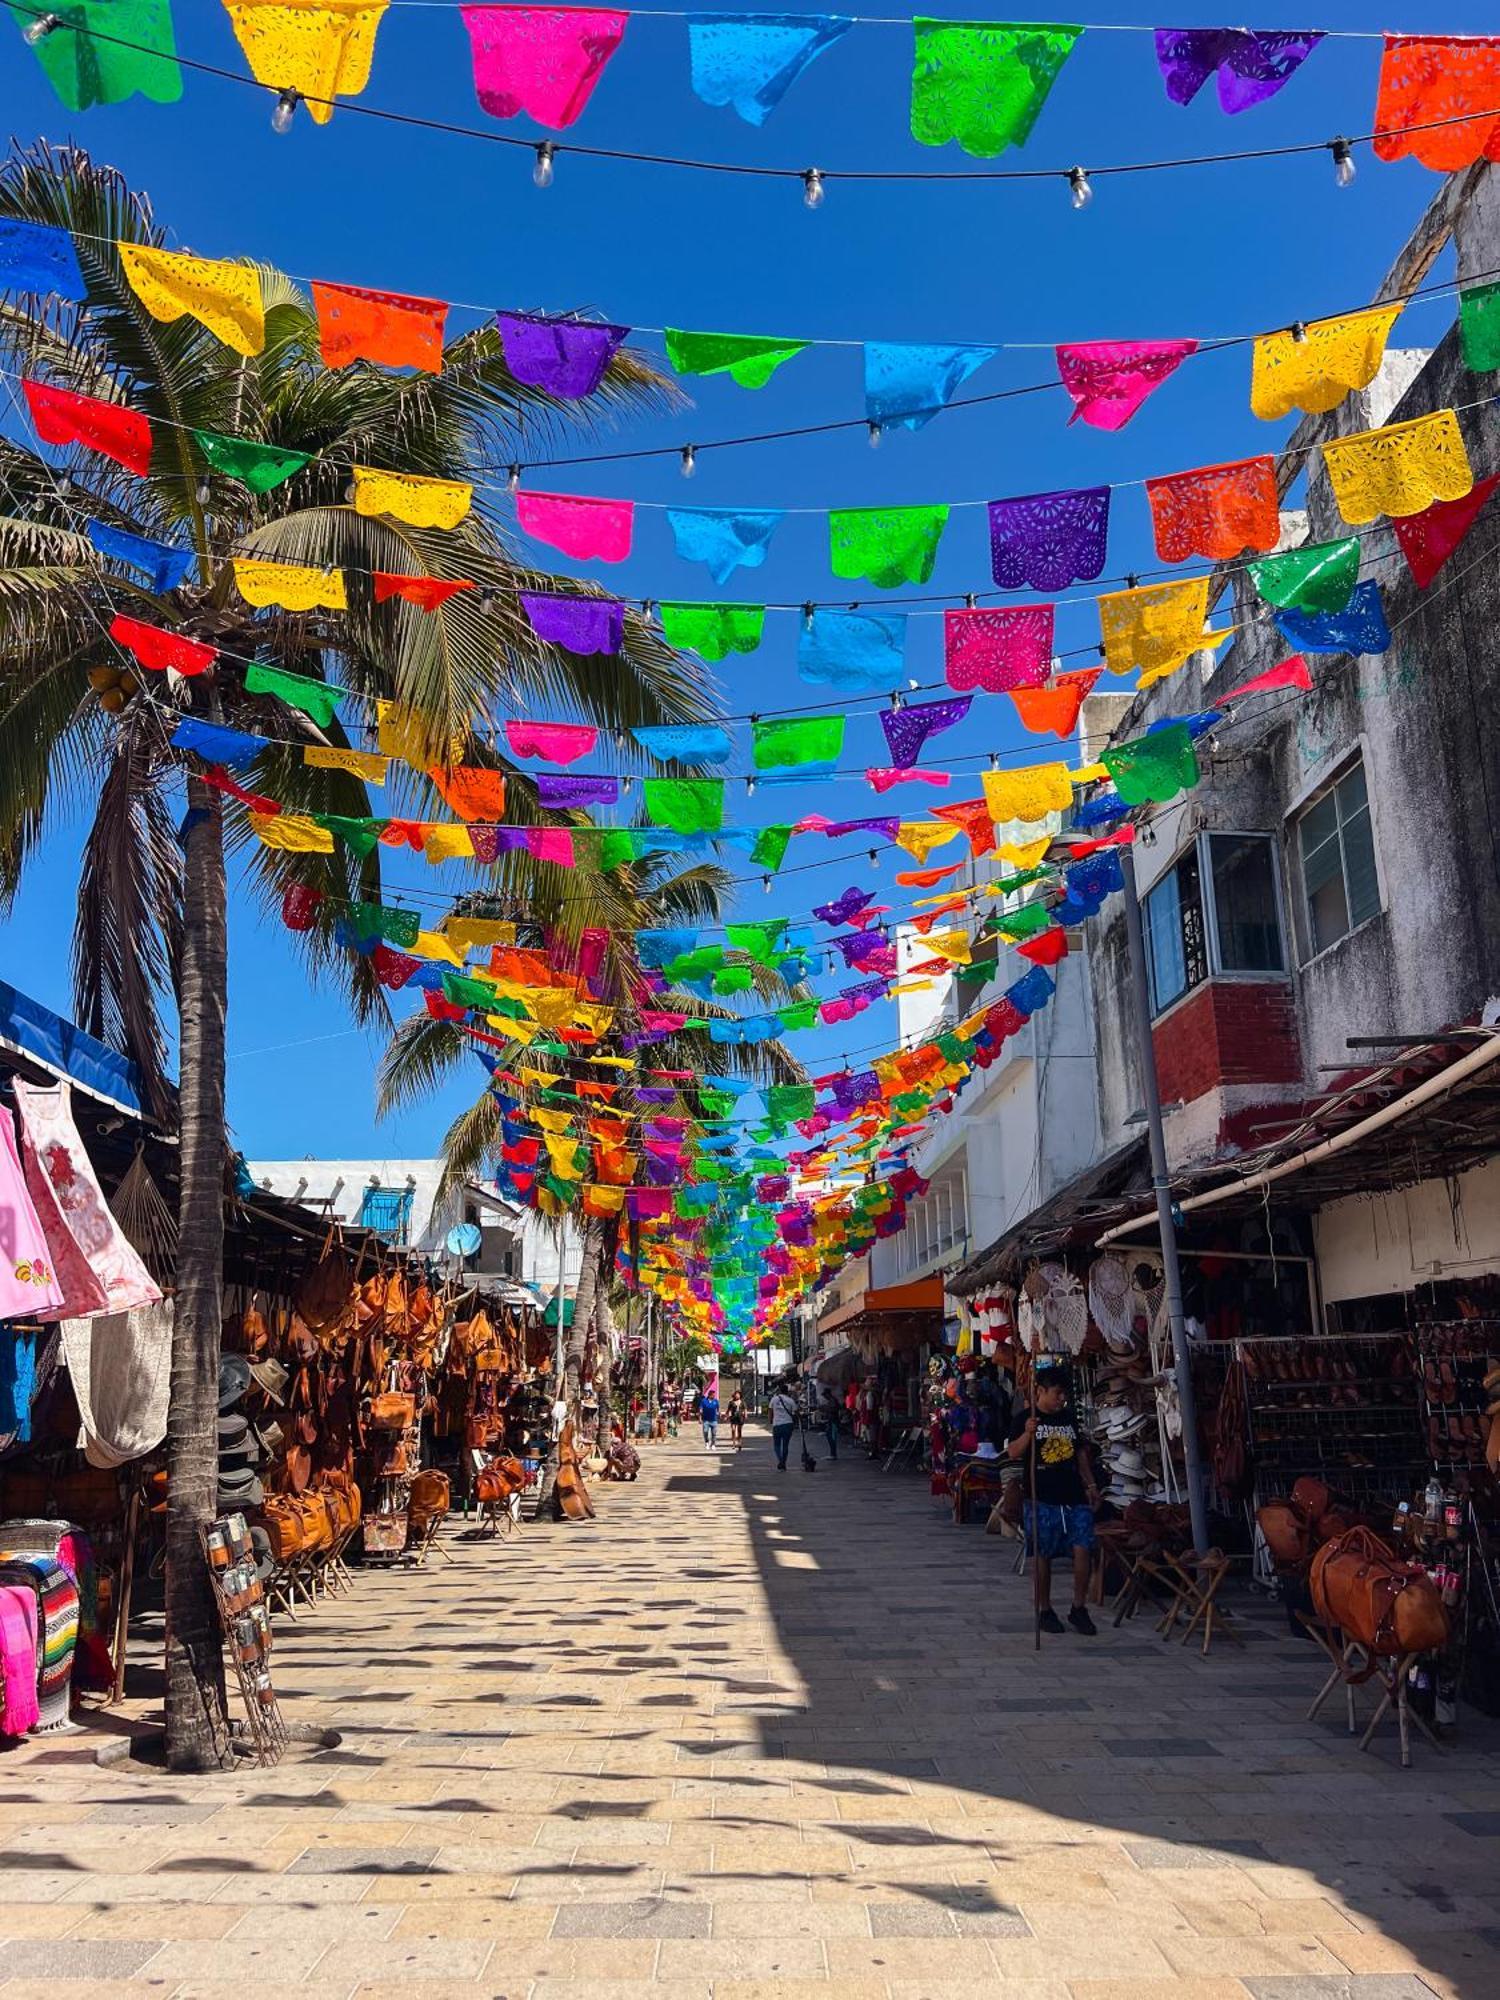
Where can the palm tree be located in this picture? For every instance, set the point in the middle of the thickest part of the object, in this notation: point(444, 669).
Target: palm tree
point(152, 921)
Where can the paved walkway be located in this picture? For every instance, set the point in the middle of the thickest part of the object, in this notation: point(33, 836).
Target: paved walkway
point(749, 1736)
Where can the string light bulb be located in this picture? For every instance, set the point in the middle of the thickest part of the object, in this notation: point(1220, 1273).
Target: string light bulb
point(648, 610)
point(489, 603)
point(765, 883)
point(1078, 183)
point(971, 601)
point(541, 173)
point(875, 434)
point(807, 617)
point(1343, 162)
point(38, 30)
point(284, 111)
point(1299, 331)
point(874, 859)
point(812, 188)
point(749, 788)
point(689, 460)
point(64, 486)
point(205, 493)
point(513, 480)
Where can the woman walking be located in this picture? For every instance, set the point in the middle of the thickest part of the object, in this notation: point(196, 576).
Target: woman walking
point(736, 1416)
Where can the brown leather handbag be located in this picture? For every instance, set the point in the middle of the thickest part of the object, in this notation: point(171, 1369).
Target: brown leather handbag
point(392, 1411)
point(498, 1480)
point(1370, 1595)
point(322, 1298)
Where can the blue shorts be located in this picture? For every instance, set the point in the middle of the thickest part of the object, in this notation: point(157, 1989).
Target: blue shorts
point(1057, 1529)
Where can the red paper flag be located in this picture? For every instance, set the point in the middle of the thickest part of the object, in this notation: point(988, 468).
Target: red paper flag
point(61, 417)
point(1292, 673)
point(928, 878)
point(443, 1010)
point(426, 592)
point(159, 650)
point(1046, 948)
point(1055, 707)
point(973, 818)
point(1429, 538)
point(1217, 511)
point(218, 780)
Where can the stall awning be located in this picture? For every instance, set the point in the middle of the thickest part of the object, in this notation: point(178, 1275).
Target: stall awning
point(885, 1304)
point(1068, 1219)
point(59, 1048)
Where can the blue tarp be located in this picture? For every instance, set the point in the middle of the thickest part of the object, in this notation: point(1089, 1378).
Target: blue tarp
point(34, 1029)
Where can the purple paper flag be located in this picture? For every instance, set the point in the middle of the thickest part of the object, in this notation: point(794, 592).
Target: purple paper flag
point(1252, 64)
point(490, 842)
point(565, 357)
point(851, 1092)
point(907, 729)
point(578, 624)
point(886, 828)
point(1045, 541)
point(557, 791)
point(843, 909)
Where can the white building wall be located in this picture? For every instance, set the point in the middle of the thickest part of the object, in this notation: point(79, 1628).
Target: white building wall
point(1419, 1235)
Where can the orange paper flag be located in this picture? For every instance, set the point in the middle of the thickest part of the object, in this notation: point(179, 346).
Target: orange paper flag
point(359, 325)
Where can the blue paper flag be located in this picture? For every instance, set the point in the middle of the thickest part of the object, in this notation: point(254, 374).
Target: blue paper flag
point(1032, 992)
point(1196, 725)
point(1359, 628)
point(909, 385)
point(1099, 811)
point(855, 650)
point(721, 538)
point(34, 257)
point(219, 745)
point(658, 948)
point(164, 565)
point(1087, 883)
point(751, 61)
point(704, 743)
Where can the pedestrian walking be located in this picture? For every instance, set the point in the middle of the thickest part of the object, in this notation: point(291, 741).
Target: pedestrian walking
point(708, 1412)
point(828, 1417)
point(1061, 1493)
point(783, 1421)
point(736, 1416)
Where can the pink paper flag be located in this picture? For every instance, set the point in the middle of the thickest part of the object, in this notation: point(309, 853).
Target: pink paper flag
point(541, 60)
point(1110, 379)
point(1292, 673)
point(550, 843)
point(553, 742)
point(998, 650)
point(885, 775)
point(587, 530)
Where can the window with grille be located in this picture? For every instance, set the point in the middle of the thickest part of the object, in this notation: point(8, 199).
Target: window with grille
point(1336, 859)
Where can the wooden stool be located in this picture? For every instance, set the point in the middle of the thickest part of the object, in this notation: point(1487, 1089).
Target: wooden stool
point(1194, 1581)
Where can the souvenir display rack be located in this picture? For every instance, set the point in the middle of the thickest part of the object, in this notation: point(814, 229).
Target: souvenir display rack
point(1454, 1356)
point(246, 1621)
point(1341, 1408)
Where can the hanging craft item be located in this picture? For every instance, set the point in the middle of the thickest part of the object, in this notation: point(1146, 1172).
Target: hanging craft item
point(556, 792)
point(1155, 628)
point(998, 650)
point(1155, 767)
point(1029, 795)
point(404, 496)
point(359, 325)
point(63, 417)
point(795, 741)
point(888, 545)
point(291, 833)
point(1399, 469)
point(587, 530)
point(581, 625)
point(1359, 628)
point(750, 359)
point(289, 585)
point(1289, 673)
point(164, 566)
point(723, 539)
point(983, 83)
point(322, 49)
point(299, 691)
point(261, 467)
point(1313, 367)
point(1479, 327)
point(366, 765)
point(882, 778)
point(106, 51)
point(853, 650)
point(749, 62)
point(222, 296)
point(158, 650)
point(565, 357)
point(1055, 708)
point(1252, 64)
point(427, 593)
point(713, 631)
point(686, 805)
point(972, 819)
point(473, 792)
point(1045, 541)
point(1217, 511)
point(76, 1219)
point(1429, 538)
point(907, 729)
point(1108, 380)
point(544, 61)
point(1449, 86)
point(555, 742)
point(1317, 577)
point(685, 742)
point(907, 386)
point(35, 257)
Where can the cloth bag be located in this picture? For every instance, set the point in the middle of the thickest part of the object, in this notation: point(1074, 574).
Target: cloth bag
point(121, 1367)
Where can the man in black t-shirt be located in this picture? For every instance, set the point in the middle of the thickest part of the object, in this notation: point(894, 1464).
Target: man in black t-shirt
point(1062, 1478)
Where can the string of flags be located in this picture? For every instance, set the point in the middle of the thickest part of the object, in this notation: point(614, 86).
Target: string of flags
point(981, 85)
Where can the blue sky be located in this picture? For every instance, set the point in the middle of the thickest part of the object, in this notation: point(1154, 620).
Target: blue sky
point(1213, 251)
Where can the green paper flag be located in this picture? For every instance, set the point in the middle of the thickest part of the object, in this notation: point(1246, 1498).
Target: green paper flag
point(805, 739)
point(762, 942)
point(360, 836)
point(752, 359)
point(708, 958)
point(564, 1191)
point(770, 847)
point(734, 979)
point(1153, 768)
point(314, 698)
point(1026, 922)
point(397, 927)
point(84, 59)
point(716, 1103)
point(463, 992)
point(786, 1101)
point(1320, 577)
point(619, 845)
point(983, 82)
point(713, 630)
point(1479, 327)
point(686, 805)
point(889, 545)
point(258, 466)
point(801, 1014)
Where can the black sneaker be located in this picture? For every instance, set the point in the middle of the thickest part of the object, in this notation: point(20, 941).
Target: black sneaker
point(1080, 1621)
point(1048, 1621)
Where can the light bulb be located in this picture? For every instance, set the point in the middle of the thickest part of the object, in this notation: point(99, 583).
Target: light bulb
point(64, 486)
point(971, 602)
point(689, 461)
point(749, 788)
point(898, 701)
point(541, 173)
point(285, 110)
point(513, 480)
point(807, 617)
point(1078, 181)
point(765, 883)
point(648, 609)
point(874, 429)
point(874, 857)
point(1299, 331)
point(349, 494)
point(627, 786)
point(40, 29)
point(812, 188)
point(1343, 162)
point(489, 603)
point(205, 493)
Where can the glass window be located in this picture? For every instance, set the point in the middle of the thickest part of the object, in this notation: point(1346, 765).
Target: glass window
point(1337, 845)
point(1175, 954)
point(1245, 913)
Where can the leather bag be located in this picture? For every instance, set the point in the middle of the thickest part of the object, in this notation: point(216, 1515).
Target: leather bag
point(1370, 1595)
point(322, 1298)
point(392, 1411)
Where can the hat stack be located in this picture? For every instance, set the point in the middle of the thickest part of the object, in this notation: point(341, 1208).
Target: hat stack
point(1125, 1429)
point(242, 1449)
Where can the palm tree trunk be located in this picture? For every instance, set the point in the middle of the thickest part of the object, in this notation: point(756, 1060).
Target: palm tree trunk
point(197, 1718)
point(584, 1301)
point(604, 1348)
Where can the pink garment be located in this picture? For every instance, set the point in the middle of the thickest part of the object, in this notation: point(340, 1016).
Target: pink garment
point(1110, 379)
point(553, 742)
point(29, 1286)
point(18, 1666)
point(886, 775)
point(541, 60)
point(587, 530)
point(998, 650)
point(96, 1258)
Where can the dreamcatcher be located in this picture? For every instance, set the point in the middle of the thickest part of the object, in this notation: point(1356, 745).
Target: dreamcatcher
point(1065, 1311)
point(1112, 1301)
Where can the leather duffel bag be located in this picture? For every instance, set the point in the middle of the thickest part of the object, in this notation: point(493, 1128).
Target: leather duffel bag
point(392, 1411)
point(1370, 1595)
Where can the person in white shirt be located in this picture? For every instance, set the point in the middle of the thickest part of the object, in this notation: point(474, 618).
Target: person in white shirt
point(783, 1421)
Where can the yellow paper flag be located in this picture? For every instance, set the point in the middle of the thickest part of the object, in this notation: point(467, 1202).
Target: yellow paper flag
point(289, 585)
point(1027, 795)
point(920, 836)
point(291, 833)
point(1316, 366)
point(1399, 469)
point(361, 763)
point(1157, 626)
point(223, 297)
point(447, 843)
point(481, 932)
point(322, 48)
point(421, 503)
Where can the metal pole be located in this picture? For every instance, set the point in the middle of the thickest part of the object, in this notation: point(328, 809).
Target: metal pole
point(1171, 1272)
